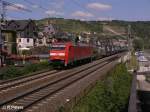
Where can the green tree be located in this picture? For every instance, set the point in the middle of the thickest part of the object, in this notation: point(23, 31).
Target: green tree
point(138, 44)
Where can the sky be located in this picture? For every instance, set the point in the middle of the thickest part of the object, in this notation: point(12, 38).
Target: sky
point(130, 10)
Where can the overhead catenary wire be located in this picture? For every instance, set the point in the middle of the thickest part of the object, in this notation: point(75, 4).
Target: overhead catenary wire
point(38, 6)
point(8, 17)
point(5, 3)
point(46, 10)
point(80, 6)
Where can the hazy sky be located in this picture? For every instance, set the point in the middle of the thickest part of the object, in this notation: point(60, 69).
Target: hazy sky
point(82, 9)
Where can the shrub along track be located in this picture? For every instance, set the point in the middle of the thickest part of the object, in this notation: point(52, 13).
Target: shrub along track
point(35, 91)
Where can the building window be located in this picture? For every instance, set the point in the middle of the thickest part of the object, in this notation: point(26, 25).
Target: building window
point(28, 40)
point(4, 37)
point(19, 40)
point(5, 47)
point(40, 42)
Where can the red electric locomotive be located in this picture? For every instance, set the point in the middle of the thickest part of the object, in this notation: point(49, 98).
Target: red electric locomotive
point(68, 53)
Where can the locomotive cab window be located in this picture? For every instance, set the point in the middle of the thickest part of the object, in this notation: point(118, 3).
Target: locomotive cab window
point(58, 47)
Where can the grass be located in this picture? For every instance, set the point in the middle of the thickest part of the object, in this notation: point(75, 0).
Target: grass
point(110, 95)
point(12, 71)
point(148, 79)
point(133, 63)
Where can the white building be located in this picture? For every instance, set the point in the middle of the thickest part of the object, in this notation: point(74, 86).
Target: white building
point(26, 32)
point(25, 42)
point(45, 37)
point(42, 40)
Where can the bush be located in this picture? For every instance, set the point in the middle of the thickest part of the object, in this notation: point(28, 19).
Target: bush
point(111, 95)
point(35, 67)
point(11, 72)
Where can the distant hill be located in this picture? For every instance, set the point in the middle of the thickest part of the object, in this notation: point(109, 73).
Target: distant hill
point(139, 29)
point(70, 25)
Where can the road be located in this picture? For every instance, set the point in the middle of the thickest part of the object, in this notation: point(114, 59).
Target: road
point(143, 85)
point(144, 65)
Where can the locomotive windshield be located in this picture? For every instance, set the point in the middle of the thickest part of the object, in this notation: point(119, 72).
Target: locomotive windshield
point(58, 47)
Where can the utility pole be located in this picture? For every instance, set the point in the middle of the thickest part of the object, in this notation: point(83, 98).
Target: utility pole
point(1, 58)
point(129, 38)
point(129, 42)
point(1, 63)
point(3, 5)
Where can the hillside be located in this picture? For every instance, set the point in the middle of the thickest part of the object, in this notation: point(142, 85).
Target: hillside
point(139, 30)
point(75, 26)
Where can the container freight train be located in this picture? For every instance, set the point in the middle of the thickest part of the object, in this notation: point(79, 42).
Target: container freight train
point(68, 53)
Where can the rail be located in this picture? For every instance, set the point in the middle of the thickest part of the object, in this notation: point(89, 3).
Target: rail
point(132, 107)
point(51, 86)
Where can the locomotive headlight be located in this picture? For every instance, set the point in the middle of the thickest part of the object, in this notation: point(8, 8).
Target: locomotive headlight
point(57, 54)
point(52, 54)
point(61, 54)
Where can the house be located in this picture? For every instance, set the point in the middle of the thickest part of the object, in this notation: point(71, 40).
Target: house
point(8, 39)
point(16, 34)
point(46, 35)
point(26, 32)
point(49, 29)
point(42, 40)
point(7, 43)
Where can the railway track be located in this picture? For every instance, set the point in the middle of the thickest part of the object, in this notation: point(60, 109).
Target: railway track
point(21, 80)
point(25, 76)
point(34, 89)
